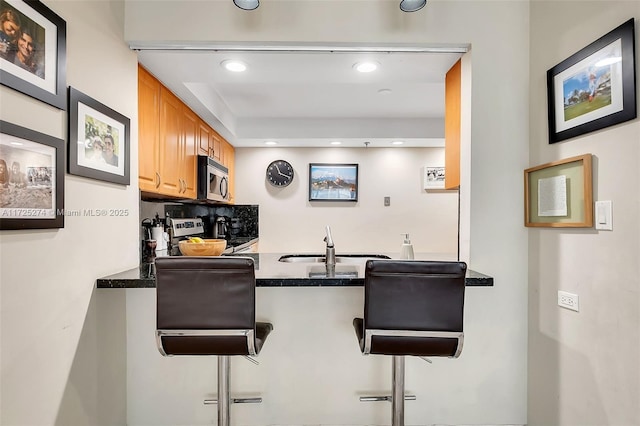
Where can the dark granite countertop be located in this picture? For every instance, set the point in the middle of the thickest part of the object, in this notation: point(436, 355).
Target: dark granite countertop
point(272, 273)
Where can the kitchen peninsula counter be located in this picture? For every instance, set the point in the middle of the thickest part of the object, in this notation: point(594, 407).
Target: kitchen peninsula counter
point(272, 273)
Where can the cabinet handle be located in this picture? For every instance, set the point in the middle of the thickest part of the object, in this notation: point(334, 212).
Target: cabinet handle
point(184, 185)
point(157, 180)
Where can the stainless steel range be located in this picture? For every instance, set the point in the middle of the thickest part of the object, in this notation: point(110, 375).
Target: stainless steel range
point(182, 229)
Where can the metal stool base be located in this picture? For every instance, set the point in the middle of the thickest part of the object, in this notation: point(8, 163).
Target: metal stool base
point(397, 397)
point(224, 400)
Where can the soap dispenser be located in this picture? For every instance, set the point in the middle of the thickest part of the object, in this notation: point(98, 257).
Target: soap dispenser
point(406, 251)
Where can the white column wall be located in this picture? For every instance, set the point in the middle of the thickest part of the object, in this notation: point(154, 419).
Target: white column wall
point(62, 353)
point(583, 366)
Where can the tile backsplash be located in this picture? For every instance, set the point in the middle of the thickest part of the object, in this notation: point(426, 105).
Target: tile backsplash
point(243, 219)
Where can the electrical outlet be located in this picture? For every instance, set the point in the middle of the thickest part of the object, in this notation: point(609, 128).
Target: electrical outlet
point(569, 301)
point(387, 201)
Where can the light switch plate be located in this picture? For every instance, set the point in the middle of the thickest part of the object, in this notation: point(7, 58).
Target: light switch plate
point(604, 215)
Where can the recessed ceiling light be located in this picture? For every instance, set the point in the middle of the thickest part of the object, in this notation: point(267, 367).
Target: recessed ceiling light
point(271, 143)
point(366, 66)
point(384, 91)
point(336, 143)
point(233, 65)
point(397, 143)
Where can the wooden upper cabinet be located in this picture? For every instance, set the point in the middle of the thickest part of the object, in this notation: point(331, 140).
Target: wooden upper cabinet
point(170, 137)
point(229, 160)
point(204, 136)
point(148, 130)
point(452, 104)
point(217, 146)
point(190, 132)
point(171, 147)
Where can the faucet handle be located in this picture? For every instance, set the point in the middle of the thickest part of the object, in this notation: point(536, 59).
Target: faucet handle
point(328, 239)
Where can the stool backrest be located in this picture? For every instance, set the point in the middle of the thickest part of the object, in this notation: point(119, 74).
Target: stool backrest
point(414, 295)
point(205, 293)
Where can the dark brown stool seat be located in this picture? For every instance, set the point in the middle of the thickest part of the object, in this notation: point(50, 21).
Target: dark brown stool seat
point(206, 306)
point(411, 308)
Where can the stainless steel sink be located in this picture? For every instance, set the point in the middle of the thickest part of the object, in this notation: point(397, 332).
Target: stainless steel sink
point(342, 258)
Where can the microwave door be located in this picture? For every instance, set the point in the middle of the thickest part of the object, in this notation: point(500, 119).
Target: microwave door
point(214, 186)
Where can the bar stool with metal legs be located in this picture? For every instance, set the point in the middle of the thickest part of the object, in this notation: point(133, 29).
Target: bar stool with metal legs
point(206, 306)
point(411, 308)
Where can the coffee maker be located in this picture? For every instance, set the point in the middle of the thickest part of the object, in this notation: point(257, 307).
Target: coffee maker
point(221, 227)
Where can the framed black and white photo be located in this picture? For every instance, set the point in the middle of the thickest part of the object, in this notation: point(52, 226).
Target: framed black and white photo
point(433, 177)
point(595, 87)
point(333, 182)
point(33, 51)
point(99, 140)
point(31, 179)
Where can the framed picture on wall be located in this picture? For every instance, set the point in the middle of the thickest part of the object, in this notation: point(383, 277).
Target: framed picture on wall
point(595, 87)
point(99, 140)
point(33, 51)
point(31, 179)
point(559, 194)
point(333, 182)
point(433, 177)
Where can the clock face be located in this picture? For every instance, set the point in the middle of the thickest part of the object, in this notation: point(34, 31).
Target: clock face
point(279, 173)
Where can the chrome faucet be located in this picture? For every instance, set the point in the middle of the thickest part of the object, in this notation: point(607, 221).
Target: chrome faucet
point(330, 257)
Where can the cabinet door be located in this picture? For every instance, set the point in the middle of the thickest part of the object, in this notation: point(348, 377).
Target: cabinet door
point(148, 131)
point(190, 128)
point(217, 147)
point(453, 80)
point(204, 133)
point(229, 154)
point(171, 147)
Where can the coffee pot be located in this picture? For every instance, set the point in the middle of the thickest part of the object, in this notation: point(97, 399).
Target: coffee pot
point(220, 227)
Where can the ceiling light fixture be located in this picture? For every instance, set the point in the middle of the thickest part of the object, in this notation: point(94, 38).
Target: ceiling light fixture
point(271, 143)
point(233, 65)
point(412, 5)
point(365, 66)
point(336, 143)
point(397, 143)
point(247, 4)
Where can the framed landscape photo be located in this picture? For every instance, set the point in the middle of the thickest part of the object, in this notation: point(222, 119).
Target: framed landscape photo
point(31, 179)
point(559, 194)
point(33, 51)
point(333, 182)
point(595, 87)
point(99, 140)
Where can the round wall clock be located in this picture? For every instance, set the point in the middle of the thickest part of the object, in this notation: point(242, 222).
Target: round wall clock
point(279, 173)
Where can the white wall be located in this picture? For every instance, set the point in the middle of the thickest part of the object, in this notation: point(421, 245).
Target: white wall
point(290, 223)
point(583, 367)
point(492, 381)
point(62, 343)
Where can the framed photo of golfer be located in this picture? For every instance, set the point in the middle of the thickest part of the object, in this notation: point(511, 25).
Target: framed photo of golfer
point(31, 179)
point(595, 87)
point(33, 51)
point(99, 140)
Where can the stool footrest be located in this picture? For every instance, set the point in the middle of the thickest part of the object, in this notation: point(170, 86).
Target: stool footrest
point(235, 401)
point(385, 398)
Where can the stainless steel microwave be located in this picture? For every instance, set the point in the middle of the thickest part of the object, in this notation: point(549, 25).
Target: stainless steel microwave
point(213, 180)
